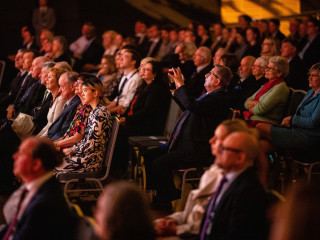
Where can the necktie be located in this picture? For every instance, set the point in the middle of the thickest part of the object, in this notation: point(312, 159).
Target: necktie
point(177, 129)
point(121, 89)
point(15, 218)
point(45, 95)
point(207, 224)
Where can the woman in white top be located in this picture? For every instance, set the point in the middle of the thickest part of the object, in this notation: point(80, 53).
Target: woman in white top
point(57, 102)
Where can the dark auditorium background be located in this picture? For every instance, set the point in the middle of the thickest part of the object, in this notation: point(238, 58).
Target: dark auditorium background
point(119, 15)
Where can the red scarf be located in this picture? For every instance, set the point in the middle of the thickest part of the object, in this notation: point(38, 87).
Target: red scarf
point(266, 87)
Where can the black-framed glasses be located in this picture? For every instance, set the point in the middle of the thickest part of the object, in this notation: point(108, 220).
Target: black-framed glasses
point(257, 66)
point(211, 73)
point(224, 148)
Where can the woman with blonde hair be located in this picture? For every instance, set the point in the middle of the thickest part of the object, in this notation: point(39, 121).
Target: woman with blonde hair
point(88, 154)
point(58, 102)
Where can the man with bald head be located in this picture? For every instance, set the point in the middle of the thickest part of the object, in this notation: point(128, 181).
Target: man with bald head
point(38, 209)
point(238, 207)
point(242, 89)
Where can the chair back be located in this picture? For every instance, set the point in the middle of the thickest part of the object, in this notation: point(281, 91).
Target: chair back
point(296, 99)
point(2, 66)
point(110, 146)
point(173, 115)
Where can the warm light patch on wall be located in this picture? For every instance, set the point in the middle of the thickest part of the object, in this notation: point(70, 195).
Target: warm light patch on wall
point(258, 9)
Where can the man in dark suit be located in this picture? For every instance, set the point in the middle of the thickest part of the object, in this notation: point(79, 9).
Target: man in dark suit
point(62, 123)
point(310, 44)
point(237, 210)
point(27, 59)
point(297, 78)
point(38, 209)
point(202, 60)
point(242, 89)
point(274, 25)
point(189, 142)
point(154, 42)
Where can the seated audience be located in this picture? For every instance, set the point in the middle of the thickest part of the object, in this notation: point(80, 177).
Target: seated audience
point(108, 44)
point(274, 29)
point(270, 47)
point(130, 81)
point(59, 49)
point(258, 71)
point(38, 209)
point(300, 131)
point(237, 209)
point(57, 103)
point(244, 21)
point(240, 44)
point(201, 59)
point(297, 77)
point(253, 39)
point(154, 41)
point(108, 74)
point(28, 36)
point(67, 89)
point(218, 54)
point(204, 38)
point(184, 52)
point(188, 221)
point(88, 154)
point(147, 113)
point(76, 129)
point(188, 143)
point(217, 33)
point(268, 103)
point(241, 89)
point(25, 84)
point(122, 213)
point(310, 44)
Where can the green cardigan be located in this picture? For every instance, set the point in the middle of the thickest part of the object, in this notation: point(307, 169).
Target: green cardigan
point(271, 104)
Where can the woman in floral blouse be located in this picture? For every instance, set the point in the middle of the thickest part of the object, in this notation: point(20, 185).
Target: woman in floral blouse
point(88, 154)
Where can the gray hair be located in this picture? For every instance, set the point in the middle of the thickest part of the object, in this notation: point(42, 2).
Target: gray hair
point(205, 53)
point(64, 65)
point(48, 65)
point(71, 77)
point(282, 65)
point(225, 75)
point(264, 61)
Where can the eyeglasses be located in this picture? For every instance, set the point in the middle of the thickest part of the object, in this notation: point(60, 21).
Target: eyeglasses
point(313, 75)
point(211, 73)
point(270, 69)
point(146, 70)
point(257, 66)
point(223, 148)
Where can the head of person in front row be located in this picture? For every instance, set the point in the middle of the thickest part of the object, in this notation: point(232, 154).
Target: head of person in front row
point(35, 157)
point(298, 217)
point(122, 213)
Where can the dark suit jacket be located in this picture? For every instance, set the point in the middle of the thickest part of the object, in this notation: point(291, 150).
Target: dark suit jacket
point(195, 84)
point(62, 123)
point(312, 54)
point(155, 49)
point(34, 99)
point(297, 78)
point(47, 216)
point(149, 112)
point(29, 81)
point(65, 57)
point(280, 36)
point(241, 211)
point(91, 55)
point(40, 115)
point(240, 91)
point(205, 115)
